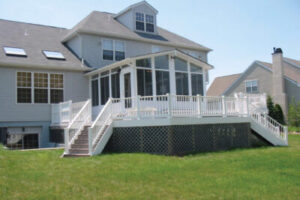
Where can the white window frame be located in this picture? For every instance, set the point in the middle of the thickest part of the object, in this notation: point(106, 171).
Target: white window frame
point(113, 49)
point(247, 81)
point(32, 87)
point(145, 22)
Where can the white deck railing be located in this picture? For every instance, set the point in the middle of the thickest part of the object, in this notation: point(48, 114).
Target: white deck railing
point(80, 118)
point(61, 113)
point(177, 106)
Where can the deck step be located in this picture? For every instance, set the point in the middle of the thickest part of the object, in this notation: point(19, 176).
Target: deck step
point(75, 155)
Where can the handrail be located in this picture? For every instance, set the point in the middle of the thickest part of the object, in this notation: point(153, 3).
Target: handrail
point(101, 112)
point(78, 114)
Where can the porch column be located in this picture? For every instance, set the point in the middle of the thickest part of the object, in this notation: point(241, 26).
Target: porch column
point(153, 76)
point(172, 75)
point(133, 80)
point(189, 79)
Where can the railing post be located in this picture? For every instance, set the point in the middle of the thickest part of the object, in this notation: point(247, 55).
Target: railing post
point(224, 110)
point(90, 141)
point(169, 105)
point(66, 132)
point(138, 98)
point(199, 106)
point(247, 105)
point(286, 132)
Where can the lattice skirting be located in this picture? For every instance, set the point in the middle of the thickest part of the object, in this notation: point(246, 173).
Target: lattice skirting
point(182, 139)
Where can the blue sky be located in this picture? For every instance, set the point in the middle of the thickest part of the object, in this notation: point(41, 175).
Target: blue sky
point(239, 32)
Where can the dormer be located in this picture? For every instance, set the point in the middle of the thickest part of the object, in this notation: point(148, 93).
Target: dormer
point(139, 17)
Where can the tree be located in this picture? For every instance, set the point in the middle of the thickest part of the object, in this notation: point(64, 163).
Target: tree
point(294, 113)
point(275, 111)
point(278, 114)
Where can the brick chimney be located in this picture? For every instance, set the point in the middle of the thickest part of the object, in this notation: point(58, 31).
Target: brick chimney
point(279, 95)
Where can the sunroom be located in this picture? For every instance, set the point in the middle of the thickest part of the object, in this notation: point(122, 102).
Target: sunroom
point(147, 76)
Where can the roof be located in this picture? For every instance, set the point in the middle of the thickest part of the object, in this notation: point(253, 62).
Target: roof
point(291, 72)
point(34, 39)
point(105, 24)
point(220, 84)
point(129, 61)
point(135, 5)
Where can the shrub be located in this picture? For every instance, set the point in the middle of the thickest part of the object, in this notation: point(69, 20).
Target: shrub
point(275, 111)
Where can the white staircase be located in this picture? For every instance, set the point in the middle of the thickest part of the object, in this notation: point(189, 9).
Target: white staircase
point(268, 128)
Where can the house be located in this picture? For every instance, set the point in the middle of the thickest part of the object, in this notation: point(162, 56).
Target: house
point(118, 83)
point(279, 79)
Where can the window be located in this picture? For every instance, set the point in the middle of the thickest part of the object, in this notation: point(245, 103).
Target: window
point(149, 23)
point(108, 53)
point(251, 86)
point(12, 51)
point(161, 62)
point(115, 85)
point(162, 82)
point(22, 141)
point(144, 63)
point(197, 79)
point(113, 50)
point(139, 22)
point(54, 55)
point(95, 91)
point(144, 80)
point(182, 87)
point(40, 90)
point(24, 87)
point(56, 88)
point(180, 65)
point(104, 81)
point(119, 50)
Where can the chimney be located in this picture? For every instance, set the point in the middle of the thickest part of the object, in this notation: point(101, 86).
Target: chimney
point(279, 95)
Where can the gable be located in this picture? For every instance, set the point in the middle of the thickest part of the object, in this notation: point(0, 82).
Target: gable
point(254, 72)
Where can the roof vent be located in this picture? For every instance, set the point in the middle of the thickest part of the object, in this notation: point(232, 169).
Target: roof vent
point(277, 50)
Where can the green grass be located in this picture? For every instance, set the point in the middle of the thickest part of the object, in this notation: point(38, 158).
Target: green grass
point(294, 129)
point(262, 173)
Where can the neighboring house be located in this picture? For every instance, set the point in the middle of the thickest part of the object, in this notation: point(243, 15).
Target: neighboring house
point(280, 79)
point(119, 82)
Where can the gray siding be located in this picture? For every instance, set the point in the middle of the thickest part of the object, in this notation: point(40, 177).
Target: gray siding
point(92, 50)
point(256, 72)
point(75, 45)
point(75, 89)
point(126, 20)
point(292, 91)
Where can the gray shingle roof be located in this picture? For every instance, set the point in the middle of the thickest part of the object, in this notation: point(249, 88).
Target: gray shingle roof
point(102, 23)
point(33, 39)
point(220, 84)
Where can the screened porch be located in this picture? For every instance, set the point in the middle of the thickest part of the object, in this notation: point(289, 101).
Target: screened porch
point(171, 72)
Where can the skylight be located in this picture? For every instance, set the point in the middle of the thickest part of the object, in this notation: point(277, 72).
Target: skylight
point(12, 51)
point(54, 55)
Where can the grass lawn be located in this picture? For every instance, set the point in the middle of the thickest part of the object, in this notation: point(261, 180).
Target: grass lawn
point(262, 173)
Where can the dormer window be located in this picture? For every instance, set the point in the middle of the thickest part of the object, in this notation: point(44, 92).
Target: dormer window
point(144, 24)
point(140, 24)
point(149, 23)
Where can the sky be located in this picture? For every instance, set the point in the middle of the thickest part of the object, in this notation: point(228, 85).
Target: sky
point(238, 31)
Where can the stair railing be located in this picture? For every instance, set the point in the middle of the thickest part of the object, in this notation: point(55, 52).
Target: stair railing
point(78, 121)
point(95, 131)
point(272, 125)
